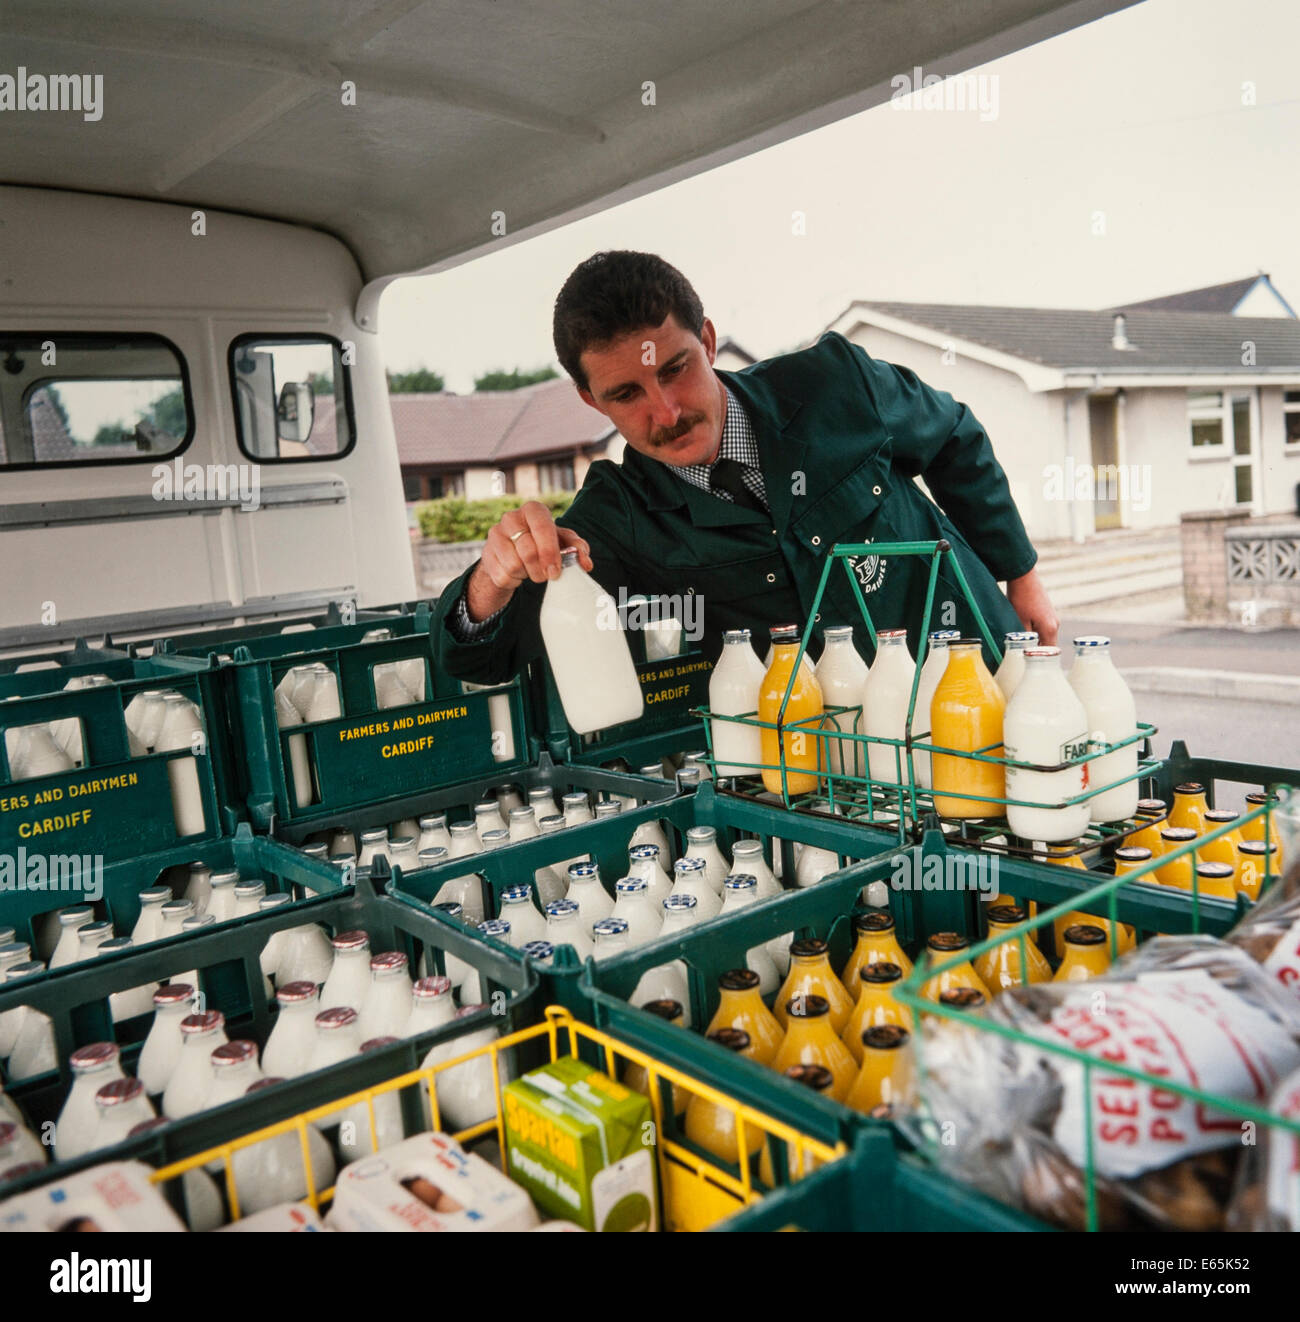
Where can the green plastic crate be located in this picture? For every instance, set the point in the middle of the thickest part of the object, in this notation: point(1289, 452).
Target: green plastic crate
point(369, 757)
point(880, 1187)
point(75, 998)
point(79, 659)
point(115, 806)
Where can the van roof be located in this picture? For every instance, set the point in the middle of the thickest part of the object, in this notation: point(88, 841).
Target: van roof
point(526, 115)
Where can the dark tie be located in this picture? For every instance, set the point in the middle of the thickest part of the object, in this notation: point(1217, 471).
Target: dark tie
point(726, 475)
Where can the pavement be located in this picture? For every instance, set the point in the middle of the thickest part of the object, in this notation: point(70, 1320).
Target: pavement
point(1227, 693)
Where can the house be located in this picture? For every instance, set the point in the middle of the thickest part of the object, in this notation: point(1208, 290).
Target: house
point(1124, 417)
point(513, 442)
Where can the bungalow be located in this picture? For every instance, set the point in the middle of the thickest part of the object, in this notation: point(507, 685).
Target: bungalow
point(1119, 418)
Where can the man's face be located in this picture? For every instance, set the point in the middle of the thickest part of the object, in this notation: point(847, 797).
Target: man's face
point(658, 388)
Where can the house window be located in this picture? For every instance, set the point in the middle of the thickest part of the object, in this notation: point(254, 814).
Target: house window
point(1291, 416)
point(412, 487)
point(557, 475)
point(447, 484)
point(1208, 418)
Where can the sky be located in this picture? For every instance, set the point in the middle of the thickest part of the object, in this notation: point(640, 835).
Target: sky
point(1120, 161)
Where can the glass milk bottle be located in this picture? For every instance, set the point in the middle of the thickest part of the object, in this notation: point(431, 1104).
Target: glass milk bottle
point(652, 833)
point(33, 1051)
point(71, 921)
point(966, 714)
point(632, 904)
point(182, 732)
point(797, 750)
point(740, 890)
point(349, 978)
point(373, 843)
point(740, 1005)
point(1045, 723)
point(486, 817)
point(323, 702)
point(11, 953)
point(198, 886)
point(885, 696)
point(1112, 716)
point(356, 1138)
point(90, 938)
point(388, 1004)
point(702, 843)
point(191, 1081)
point(120, 1105)
point(842, 673)
point(286, 717)
point(669, 982)
point(587, 650)
point(643, 862)
point(134, 1001)
point(609, 938)
point(523, 824)
point(234, 1071)
point(496, 928)
point(542, 802)
point(577, 808)
point(92, 1067)
point(566, 927)
point(148, 926)
point(431, 1006)
point(402, 853)
point(221, 899)
point(306, 955)
point(526, 923)
point(433, 831)
point(337, 1038)
point(464, 978)
point(1012, 669)
point(747, 860)
point(271, 1172)
point(936, 662)
point(162, 1048)
point(588, 894)
point(689, 879)
point(293, 1035)
point(733, 691)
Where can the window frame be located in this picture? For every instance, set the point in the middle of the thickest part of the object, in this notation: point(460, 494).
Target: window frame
point(292, 338)
point(56, 465)
point(1288, 446)
point(1204, 413)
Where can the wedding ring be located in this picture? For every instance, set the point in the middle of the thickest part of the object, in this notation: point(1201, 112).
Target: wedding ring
point(515, 536)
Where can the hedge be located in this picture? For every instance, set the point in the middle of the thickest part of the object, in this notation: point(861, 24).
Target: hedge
point(455, 519)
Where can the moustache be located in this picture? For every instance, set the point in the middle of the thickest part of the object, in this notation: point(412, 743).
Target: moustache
point(680, 430)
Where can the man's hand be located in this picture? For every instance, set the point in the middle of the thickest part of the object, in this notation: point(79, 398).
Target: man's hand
point(1029, 598)
point(525, 545)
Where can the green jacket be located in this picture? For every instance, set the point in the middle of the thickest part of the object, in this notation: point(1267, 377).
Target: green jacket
point(841, 436)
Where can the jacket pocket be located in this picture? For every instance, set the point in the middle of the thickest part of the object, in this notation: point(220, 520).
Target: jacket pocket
point(846, 512)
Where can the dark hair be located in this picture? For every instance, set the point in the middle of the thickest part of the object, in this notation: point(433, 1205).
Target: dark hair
point(612, 293)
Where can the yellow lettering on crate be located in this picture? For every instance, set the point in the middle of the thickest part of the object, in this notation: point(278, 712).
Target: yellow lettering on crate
point(668, 695)
point(63, 822)
point(123, 781)
point(13, 802)
point(407, 746)
point(363, 731)
point(691, 668)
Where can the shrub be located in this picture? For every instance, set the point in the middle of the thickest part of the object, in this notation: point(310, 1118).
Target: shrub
point(455, 519)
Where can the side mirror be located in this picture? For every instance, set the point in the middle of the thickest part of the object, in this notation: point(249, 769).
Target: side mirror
point(296, 411)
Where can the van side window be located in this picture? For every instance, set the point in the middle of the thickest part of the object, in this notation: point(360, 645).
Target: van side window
point(292, 398)
point(91, 399)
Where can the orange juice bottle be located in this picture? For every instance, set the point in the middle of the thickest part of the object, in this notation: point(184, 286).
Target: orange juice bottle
point(810, 1040)
point(1128, 858)
point(963, 998)
point(876, 1005)
point(817, 1079)
point(875, 941)
point(741, 1006)
point(634, 1074)
point(811, 975)
point(1151, 816)
point(887, 1078)
point(1256, 860)
point(1178, 872)
point(1217, 880)
point(712, 1126)
point(966, 714)
point(1255, 830)
point(1189, 807)
point(1004, 966)
point(954, 969)
point(1224, 849)
point(800, 747)
point(1086, 954)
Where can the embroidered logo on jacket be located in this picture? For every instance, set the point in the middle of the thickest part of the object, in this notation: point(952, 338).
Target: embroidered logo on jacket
point(869, 570)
